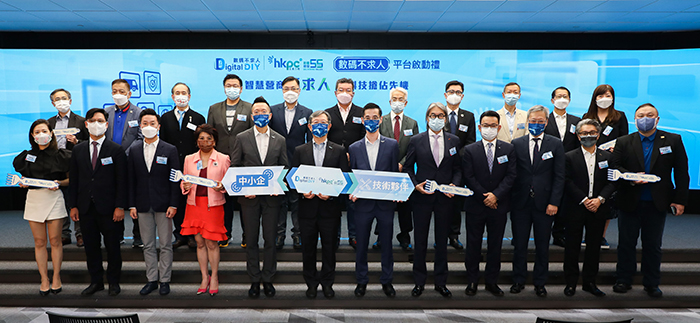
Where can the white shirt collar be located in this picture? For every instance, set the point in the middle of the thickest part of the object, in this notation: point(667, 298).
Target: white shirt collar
point(58, 115)
point(559, 116)
point(393, 116)
point(99, 141)
point(256, 132)
point(154, 144)
point(541, 136)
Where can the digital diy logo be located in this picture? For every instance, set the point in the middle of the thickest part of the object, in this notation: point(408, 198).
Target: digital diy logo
point(236, 66)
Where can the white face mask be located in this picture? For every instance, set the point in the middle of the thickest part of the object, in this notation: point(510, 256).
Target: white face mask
point(489, 133)
point(604, 103)
point(181, 101)
point(397, 106)
point(291, 97)
point(454, 99)
point(62, 106)
point(232, 93)
point(344, 98)
point(120, 99)
point(42, 139)
point(561, 103)
point(97, 128)
point(149, 132)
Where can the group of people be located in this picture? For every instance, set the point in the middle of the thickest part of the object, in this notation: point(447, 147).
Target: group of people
point(544, 169)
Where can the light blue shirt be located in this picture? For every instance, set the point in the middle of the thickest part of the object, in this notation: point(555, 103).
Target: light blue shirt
point(372, 151)
point(319, 153)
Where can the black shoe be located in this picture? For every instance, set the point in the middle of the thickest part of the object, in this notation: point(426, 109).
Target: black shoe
point(494, 289)
point(377, 245)
point(621, 287)
point(296, 242)
point(254, 291)
point(44, 292)
point(442, 289)
point(337, 244)
point(56, 291)
point(66, 241)
point(454, 242)
point(328, 291)
point(179, 243)
point(570, 290)
point(243, 243)
point(516, 288)
point(279, 243)
point(269, 289)
point(540, 291)
point(311, 292)
point(471, 289)
point(593, 289)
point(164, 289)
point(114, 289)
point(353, 243)
point(389, 290)
point(417, 290)
point(79, 241)
point(137, 243)
point(360, 290)
point(192, 244)
point(404, 241)
point(148, 288)
point(92, 289)
point(559, 242)
point(653, 291)
point(224, 243)
point(406, 246)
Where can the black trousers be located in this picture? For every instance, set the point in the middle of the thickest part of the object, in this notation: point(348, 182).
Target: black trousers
point(456, 219)
point(254, 215)
point(495, 222)
point(94, 227)
point(578, 219)
point(442, 209)
point(405, 222)
point(560, 221)
point(650, 221)
point(312, 227)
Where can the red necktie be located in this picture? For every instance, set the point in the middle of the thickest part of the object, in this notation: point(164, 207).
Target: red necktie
point(94, 154)
point(397, 128)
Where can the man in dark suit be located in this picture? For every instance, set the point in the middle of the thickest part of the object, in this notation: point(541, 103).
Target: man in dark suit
point(536, 197)
point(320, 214)
point(460, 122)
point(290, 119)
point(377, 153)
point(153, 199)
point(587, 189)
point(489, 169)
point(98, 198)
point(260, 146)
point(643, 206)
point(347, 118)
point(177, 128)
point(442, 165)
point(230, 117)
point(563, 126)
point(66, 118)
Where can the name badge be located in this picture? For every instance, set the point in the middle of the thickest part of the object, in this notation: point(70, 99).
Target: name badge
point(662, 150)
point(161, 160)
point(133, 123)
point(521, 126)
point(502, 159)
point(463, 128)
point(607, 130)
point(242, 117)
point(453, 151)
point(603, 164)
point(30, 158)
point(302, 121)
point(572, 129)
point(357, 120)
point(547, 155)
point(408, 132)
point(106, 161)
point(230, 113)
point(191, 126)
point(199, 165)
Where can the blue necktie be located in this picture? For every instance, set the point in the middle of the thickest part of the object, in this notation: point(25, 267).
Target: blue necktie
point(180, 117)
point(453, 122)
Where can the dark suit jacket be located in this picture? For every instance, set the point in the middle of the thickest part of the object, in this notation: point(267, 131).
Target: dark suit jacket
point(387, 161)
point(105, 185)
point(466, 118)
point(475, 170)
point(577, 180)
point(386, 129)
point(619, 129)
point(420, 156)
point(74, 121)
point(345, 133)
point(152, 189)
point(628, 157)
point(129, 134)
point(570, 141)
point(182, 138)
point(298, 134)
point(245, 153)
point(335, 157)
point(546, 177)
point(217, 119)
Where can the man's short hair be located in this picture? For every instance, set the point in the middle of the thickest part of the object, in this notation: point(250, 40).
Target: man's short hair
point(509, 84)
point(538, 108)
point(149, 112)
point(123, 81)
point(490, 113)
point(371, 106)
point(400, 89)
point(436, 105)
point(289, 79)
point(58, 90)
point(260, 99)
point(591, 122)
point(345, 80)
point(172, 91)
point(91, 112)
point(318, 113)
point(646, 105)
point(561, 88)
point(454, 82)
point(233, 77)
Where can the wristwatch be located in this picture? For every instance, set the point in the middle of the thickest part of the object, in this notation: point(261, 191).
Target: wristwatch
point(602, 199)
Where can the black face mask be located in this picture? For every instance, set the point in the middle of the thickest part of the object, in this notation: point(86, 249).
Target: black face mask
point(588, 141)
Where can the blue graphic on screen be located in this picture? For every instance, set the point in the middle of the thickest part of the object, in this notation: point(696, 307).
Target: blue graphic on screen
point(666, 78)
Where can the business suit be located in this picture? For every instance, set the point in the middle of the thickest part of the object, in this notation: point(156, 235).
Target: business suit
point(520, 127)
point(96, 193)
point(615, 130)
point(448, 171)
point(536, 186)
point(245, 153)
point(499, 181)
point(151, 192)
point(667, 155)
point(297, 135)
point(465, 129)
point(366, 210)
point(576, 190)
point(319, 217)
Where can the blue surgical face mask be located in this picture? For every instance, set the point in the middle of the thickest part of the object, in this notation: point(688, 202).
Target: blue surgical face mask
point(319, 129)
point(436, 124)
point(646, 124)
point(512, 99)
point(261, 120)
point(371, 125)
point(535, 129)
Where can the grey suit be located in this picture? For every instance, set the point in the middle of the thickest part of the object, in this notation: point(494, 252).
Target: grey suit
point(129, 133)
point(217, 119)
point(245, 153)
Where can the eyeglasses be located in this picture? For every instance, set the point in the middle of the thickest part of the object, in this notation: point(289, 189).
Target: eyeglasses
point(537, 121)
point(319, 122)
point(285, 89)
point(398, 100)
point(372, 118)
point(439, 116)
point(590, 133)
point(454, 92)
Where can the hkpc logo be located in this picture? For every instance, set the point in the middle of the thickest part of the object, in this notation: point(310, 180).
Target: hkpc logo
point(314, 64)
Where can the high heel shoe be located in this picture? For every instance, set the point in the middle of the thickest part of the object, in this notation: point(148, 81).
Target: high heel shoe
point(201, 291)
point(44, 292)
point(213, 292)
point(56, 291)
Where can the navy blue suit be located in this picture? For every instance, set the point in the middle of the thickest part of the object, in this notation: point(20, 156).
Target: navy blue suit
point(366, 210)
point(153, 190)
point(424, 205)
point(498, 181)
point(536, 186)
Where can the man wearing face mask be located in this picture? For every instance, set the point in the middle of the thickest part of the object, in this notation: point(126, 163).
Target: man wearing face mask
point(563, 126)
point(98, 196)
point(489, 169)
point(124, 129)
point(643, 206)
point(177, 128)
point(66, 118)
point(153, 199)
point(513, 120)
point(348, 128)
point(260, 146)
point(536, 197)
point(230, 117)
point(290, 119)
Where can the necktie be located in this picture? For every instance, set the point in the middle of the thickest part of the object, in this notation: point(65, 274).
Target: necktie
point(94, 154)
point(397, 128)
point(535, 150)
point(453, 122)
point(180, 116)
point(436, 150)
point(489, 155)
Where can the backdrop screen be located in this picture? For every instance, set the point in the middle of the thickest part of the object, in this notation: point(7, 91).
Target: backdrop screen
point(666, 78)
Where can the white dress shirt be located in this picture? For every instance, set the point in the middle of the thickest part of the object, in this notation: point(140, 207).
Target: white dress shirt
point(263, 142)
point(590, 166)
point(510, 117)
point(289, 116)
point(561, 124)
point(372, 151)
point(99, 147)
point(532, 145)
point(440, 143)
point(393, 120)
point(344, 112)
point(149, 151)
point(179, 114)
point(486, 148)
